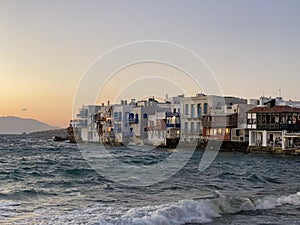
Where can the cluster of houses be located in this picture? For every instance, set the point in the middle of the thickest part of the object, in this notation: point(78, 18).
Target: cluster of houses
point(259, 122)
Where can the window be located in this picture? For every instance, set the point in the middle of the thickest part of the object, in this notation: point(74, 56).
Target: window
point(198, 127)
point(131, 116)
point(207, 132)
point(116, 114)
point(199, 113)
point(214, 131)
point(186, 109)
point(192, 110)
point(186, 126)
point(272, 119)
point(227, 131)
point(237, 133)
point(126, 115)
point(173, 120)
point(192, 127)
point(205, 108)
point(145, 116)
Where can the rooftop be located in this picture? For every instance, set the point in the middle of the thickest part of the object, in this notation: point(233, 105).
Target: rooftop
point(275, 109)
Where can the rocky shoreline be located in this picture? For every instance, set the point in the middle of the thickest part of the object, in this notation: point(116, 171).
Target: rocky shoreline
point(230, 146)
point(68, 135)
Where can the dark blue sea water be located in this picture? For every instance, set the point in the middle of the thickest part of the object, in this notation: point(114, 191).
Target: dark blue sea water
point(45, 182)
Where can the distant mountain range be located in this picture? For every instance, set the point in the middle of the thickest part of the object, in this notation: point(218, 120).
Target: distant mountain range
point(16, 125)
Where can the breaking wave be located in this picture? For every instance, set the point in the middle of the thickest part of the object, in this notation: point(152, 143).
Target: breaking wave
point(199, 211)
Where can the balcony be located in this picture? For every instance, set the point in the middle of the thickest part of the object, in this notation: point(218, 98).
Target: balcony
point(293, 127)
point(133, 120)
point(101, 119)
point(173, 125)
point(276, 126)
point(229, 120)
point(119, 119)
point(128, 134)
point(170, 114)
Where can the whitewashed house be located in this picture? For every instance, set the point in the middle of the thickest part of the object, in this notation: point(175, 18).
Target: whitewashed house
point(86, 123)
point(122, 131)
point(241, 133)
point(139, 115)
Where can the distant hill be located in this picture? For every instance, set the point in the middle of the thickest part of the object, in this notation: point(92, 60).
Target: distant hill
point(50, 133)
point(16, 125)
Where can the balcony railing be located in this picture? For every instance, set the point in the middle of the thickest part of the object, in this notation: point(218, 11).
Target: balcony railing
point(133, 120)
point(282, 126)
point(173, 125)
point(128, 134)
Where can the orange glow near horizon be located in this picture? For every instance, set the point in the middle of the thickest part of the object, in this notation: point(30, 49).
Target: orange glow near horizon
point(47, 46)
point(54, 110)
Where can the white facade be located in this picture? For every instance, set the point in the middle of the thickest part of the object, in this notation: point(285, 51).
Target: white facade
point(192, 109)
point(121, 125)
point(156, 131)
point(87, 126)
point(241, 133)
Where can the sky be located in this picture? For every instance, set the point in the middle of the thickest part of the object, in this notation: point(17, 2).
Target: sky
point(47, 48)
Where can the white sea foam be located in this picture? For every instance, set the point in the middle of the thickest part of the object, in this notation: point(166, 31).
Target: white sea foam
point(182, 212)
point(202, 211)
point(270, 202)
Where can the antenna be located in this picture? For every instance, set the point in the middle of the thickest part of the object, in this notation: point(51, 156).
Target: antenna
point(279, 90)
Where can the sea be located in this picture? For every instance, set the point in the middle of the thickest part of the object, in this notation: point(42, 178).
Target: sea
point(46, 182)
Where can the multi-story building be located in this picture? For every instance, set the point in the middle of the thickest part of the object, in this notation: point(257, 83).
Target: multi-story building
point(139, 114)
point(103, 120)
point(86, 123)
point(241, 133)
point(218, 126)
point(156, 130)
point(163, 129)
point(122, 131)
point(175, 103)
point(192, 109)
point(273, 125)
point(229, 126)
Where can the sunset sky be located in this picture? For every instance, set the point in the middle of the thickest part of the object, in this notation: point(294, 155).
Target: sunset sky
point(47, 46)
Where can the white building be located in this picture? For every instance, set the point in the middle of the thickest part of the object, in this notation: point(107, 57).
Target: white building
point(241, 133)
point(163, 129)
point(86, 123)
point(139, 114)
point(192, 109)
point(156, 130)
point(122, 131)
